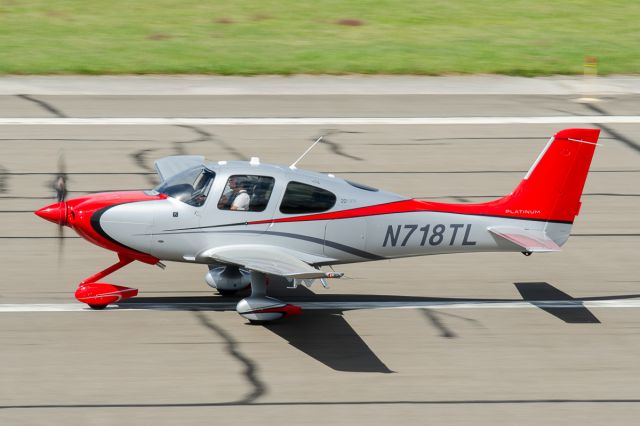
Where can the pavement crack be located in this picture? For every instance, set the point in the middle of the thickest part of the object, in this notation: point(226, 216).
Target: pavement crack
point(4, 178)
point(386, 402)
point(567, 112)
point(628, 142)
point(140, 158)
point(45, 105)
point(250, 372)
point(596, 109)
point(204, 136)
point(335, 147)
point(601, 111)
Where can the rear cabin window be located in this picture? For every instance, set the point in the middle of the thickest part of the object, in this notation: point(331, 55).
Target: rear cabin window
point(303, 198)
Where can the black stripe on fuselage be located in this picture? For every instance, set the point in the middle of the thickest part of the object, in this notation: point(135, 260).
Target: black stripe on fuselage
point(209, 226)
point(321, 241)
point(95, 224)
point(332, 244)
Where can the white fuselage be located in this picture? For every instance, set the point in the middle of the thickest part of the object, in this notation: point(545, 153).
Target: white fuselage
point(170, 229)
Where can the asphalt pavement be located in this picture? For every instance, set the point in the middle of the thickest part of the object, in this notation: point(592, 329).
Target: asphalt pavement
point(491, 338)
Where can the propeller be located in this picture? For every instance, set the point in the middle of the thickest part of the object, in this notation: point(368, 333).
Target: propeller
point(60, 186)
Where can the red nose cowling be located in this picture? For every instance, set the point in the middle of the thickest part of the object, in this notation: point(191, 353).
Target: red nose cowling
point(56, 213)
point(79, 214)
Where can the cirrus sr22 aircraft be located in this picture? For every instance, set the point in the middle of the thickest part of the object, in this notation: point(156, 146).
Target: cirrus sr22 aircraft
point(248, 221)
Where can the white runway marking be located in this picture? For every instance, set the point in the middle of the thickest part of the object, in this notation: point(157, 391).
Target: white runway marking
point(319, 121)
point(300, 85)
point(225, 306)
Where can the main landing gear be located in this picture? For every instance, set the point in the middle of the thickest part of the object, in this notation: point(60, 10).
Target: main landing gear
point(99, 295)
point(260, 308)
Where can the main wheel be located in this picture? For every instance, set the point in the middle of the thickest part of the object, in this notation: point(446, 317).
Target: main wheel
point(97, 307)
point(226, 292)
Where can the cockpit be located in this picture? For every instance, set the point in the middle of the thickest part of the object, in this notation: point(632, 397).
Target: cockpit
point(191, 186)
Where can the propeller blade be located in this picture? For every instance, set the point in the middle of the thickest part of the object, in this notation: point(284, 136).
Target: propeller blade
point(60, 243)
point(60, 186)
point(60, 182)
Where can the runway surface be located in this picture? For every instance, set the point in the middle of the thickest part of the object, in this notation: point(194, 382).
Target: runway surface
point(465, 339)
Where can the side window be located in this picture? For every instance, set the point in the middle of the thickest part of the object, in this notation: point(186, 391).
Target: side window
point(201, 187)
point(303, 198)
point(246, 193)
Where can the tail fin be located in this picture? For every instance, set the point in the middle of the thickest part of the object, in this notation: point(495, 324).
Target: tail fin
point(552, 188)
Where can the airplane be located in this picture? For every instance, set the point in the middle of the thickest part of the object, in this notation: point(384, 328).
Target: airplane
point(249, 221)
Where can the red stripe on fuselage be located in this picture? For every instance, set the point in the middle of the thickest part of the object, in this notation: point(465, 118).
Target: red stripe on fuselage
point(492, 208)
point(551, 190)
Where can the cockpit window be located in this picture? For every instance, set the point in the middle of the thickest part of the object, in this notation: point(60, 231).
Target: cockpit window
point(191, 186)
point(246, 193)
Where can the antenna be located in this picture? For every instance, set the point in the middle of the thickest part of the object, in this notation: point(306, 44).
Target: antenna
point(293, 166)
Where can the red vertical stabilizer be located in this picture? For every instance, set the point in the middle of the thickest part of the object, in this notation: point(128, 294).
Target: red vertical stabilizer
point(552, 188)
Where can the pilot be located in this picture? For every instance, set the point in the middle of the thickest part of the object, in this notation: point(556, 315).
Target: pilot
point(237, 198)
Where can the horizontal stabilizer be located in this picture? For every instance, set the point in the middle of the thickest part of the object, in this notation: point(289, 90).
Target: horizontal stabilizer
point(530, 240)
point(266, 259)
point(171, 166)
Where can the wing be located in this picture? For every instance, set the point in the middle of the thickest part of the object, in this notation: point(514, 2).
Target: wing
point(266, 259)
point(171, 166)
point(529, 240)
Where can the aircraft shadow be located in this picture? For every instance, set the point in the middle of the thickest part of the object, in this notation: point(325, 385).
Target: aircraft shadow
point(325, 335)
point(541, 293)
point(328, 338)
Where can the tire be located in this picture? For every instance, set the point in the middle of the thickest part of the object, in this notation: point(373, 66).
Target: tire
point(97, 307)
point(226, 293)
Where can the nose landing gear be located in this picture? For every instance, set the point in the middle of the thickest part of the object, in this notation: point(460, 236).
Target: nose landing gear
point(99, 295)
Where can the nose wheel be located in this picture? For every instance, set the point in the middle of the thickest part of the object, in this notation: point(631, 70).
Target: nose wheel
point(97, 307)
point(99, 295)
point(260, 308)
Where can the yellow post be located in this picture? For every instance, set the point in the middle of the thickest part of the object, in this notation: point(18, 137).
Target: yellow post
point(590, 66)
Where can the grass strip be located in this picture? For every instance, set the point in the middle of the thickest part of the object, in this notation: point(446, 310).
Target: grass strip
point(247, 37)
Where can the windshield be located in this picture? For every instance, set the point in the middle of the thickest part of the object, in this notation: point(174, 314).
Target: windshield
point(191, 186)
